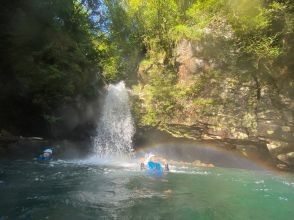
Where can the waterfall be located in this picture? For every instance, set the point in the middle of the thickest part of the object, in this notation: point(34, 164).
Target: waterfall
point(115, 127)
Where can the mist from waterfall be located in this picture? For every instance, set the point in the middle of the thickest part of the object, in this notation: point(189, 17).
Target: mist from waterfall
point(115, 128)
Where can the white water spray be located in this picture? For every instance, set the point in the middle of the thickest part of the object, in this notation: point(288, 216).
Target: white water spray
point(115, 128)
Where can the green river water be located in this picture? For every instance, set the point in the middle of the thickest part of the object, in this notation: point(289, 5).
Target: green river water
point(87, 190)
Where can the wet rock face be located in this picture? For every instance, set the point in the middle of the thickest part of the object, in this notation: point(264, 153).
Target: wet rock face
point(226, 101)
point(287, 158)
point(188, 61)
point(275, 124)
point(239, 115)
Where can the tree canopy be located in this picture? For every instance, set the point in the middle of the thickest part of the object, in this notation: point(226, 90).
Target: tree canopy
point(51, 54)
point(54, 53)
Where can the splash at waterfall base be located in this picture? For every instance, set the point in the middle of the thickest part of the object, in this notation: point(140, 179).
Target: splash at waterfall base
point(115, 127)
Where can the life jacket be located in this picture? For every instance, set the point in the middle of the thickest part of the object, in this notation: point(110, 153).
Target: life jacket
point(42, 158)
point(154, 168)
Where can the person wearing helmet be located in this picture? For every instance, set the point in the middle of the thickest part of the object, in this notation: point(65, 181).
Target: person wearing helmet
point(154, 164)
point(46, 155)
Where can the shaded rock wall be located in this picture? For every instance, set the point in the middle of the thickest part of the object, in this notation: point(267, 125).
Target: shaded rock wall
point(239, 114)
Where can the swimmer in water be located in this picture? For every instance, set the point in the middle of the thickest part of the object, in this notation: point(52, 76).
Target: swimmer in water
point(153, 162)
